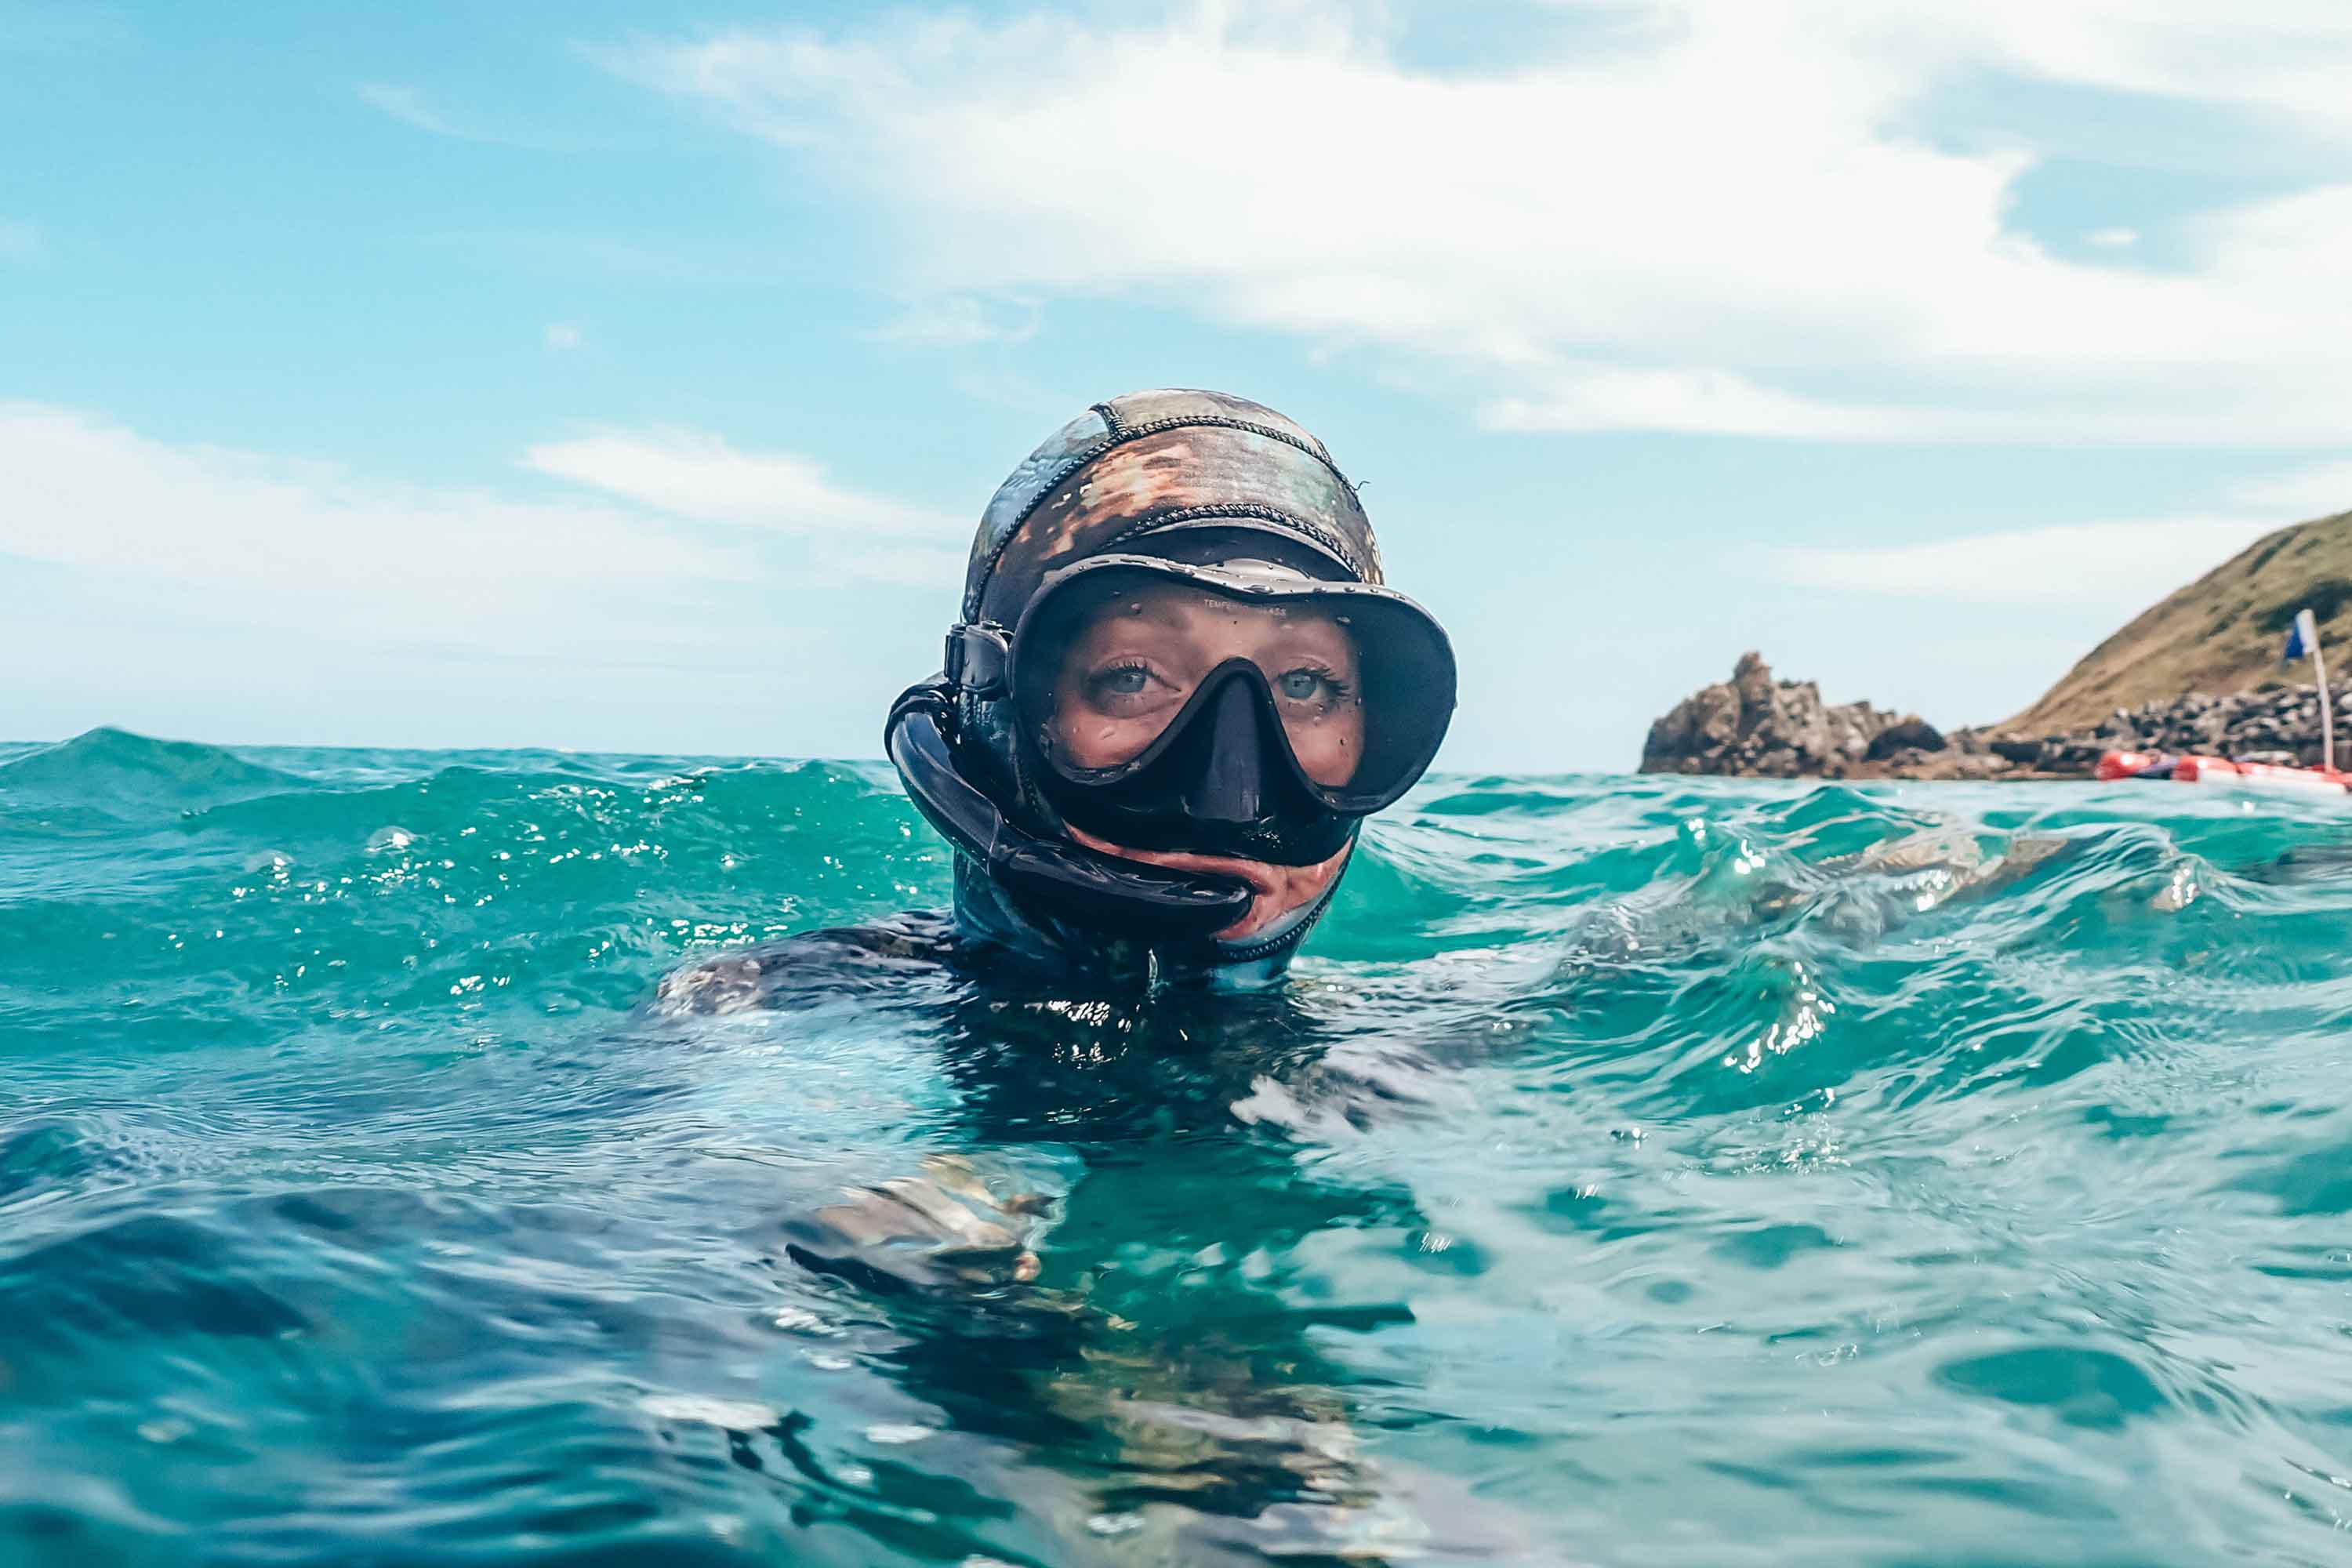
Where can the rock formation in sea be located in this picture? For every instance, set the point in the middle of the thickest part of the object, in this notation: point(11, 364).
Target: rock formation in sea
point(2196, 673)
point(1753, 726)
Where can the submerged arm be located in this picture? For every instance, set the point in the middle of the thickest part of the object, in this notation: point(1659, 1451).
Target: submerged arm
point(815, 966)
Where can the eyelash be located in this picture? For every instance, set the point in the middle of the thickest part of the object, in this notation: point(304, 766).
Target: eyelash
point(1331, 678)
point(1340, 688)
point(1102, 678)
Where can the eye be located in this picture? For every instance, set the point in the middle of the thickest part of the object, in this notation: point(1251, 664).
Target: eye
point(1299, 685)
point(1125, 689)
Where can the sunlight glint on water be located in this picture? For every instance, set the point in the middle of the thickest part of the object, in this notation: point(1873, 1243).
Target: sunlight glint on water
point(1638, 1170)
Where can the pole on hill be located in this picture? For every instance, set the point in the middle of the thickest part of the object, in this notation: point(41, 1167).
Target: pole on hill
point(2304, 640)
point(2327, 711)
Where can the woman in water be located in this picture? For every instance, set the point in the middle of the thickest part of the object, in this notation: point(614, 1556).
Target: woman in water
point(1176, 686)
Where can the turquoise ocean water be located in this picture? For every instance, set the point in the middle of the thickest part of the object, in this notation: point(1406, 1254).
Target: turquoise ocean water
point(1638, 1170)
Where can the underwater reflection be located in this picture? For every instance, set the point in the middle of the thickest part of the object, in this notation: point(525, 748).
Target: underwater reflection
point(1041, 1270)
point(1052, 1281)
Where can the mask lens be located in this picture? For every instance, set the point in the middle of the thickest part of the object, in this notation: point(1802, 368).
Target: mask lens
point(1107, 675)
point(1109, 659)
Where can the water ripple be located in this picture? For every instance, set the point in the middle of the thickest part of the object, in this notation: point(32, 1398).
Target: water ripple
point(1640, 1169)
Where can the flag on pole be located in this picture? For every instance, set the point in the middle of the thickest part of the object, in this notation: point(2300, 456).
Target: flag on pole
point(2303, 640)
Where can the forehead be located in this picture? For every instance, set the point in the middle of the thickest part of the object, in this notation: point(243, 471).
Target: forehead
point(1191, 610)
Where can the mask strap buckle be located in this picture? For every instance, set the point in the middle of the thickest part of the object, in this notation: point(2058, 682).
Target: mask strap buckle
point(979, 656)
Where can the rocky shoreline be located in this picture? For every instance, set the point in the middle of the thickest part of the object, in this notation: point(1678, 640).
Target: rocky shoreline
point(1755, 726)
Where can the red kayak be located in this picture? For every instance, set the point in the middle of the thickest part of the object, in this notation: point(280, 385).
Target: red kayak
point(2114, 766)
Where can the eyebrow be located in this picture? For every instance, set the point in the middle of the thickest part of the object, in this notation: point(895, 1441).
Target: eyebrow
point(1173, 611)
point(1162, 608)
point(1320, 629)
point(1165, 609)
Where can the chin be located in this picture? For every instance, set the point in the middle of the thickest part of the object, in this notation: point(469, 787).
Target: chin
point(1277, 891)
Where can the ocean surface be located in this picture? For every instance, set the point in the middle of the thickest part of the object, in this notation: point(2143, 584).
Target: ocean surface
point(1638, 1170)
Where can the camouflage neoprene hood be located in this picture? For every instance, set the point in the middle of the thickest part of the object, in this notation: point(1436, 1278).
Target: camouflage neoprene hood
point(1215, 494)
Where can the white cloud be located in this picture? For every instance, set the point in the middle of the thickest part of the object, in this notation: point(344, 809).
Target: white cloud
point(1607, 398)
point(182, 588)
point(412, 107)
point(2284, 58)
point(313, 550)
point(171, 532)
point(701, 477)
point(2320, 491)
point(954, 321)
point(420, 110)
point(2118, 566)
point(1718, 215)
point(563, 335)
point(2125, 566)
point(2114, 238)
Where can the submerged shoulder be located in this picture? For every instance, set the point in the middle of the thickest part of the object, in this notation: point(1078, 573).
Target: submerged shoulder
point(812, 965)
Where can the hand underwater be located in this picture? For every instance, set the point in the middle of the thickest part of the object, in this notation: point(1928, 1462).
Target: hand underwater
point(942, 1228)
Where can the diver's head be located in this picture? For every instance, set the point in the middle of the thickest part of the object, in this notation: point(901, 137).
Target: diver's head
point(1164, 717)
point(1176, 688)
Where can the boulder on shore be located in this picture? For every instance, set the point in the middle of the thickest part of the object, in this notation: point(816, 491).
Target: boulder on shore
point(1753, 726)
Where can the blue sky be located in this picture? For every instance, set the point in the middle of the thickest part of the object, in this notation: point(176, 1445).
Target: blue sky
point(629, 376)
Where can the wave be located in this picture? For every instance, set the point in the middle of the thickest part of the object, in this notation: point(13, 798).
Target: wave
point(1884, 1172)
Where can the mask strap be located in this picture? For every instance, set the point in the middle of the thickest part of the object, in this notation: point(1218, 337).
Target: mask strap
point(1071, 876)
point(978, 658)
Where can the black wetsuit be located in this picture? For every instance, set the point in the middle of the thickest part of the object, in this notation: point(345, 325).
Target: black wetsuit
point(1078, 1112)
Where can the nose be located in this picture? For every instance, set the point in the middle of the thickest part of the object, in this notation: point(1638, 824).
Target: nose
point(1230, 786)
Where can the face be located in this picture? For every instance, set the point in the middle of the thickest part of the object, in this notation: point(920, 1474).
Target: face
point(1132, 667)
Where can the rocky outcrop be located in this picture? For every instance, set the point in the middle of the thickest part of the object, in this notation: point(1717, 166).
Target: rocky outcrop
point(1753, 726)
point(2279, 723)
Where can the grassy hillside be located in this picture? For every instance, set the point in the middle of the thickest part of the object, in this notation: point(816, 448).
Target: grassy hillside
point(2220, 634)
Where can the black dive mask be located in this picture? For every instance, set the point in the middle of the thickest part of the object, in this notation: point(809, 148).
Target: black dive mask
point(1214, 769)
point(1221, 779)
point(1272, 755)
point(1059, 875)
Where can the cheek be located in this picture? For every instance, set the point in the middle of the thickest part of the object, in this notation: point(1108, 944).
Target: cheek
point(1086, 738)
point(1329, 752)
